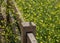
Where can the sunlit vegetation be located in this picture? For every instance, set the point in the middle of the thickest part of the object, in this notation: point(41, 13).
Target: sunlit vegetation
point(46, 15)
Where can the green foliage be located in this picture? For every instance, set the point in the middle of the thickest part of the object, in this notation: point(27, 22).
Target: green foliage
point(8, 25)
point(46, 15)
